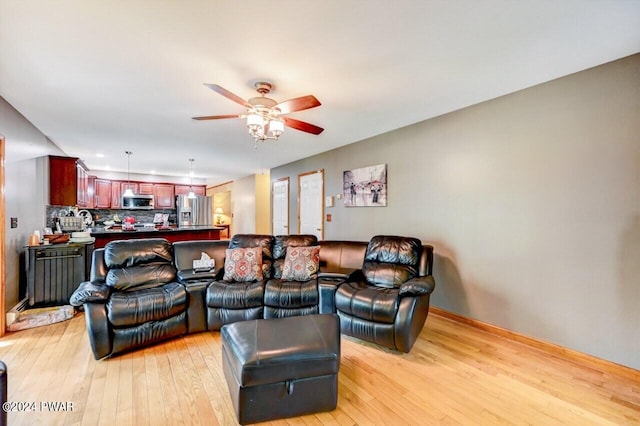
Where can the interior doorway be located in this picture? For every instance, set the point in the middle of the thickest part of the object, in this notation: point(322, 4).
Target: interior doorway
point(280, 207)
point(222, 211)
point(310, 203)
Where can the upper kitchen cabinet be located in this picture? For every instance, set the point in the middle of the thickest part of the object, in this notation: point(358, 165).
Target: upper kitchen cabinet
point(184, 189)
point(164, 196)
point(146, 188)
point(116, 195)
point(118, 188)
point(82, 188)
point(102, 190)
point(68, 182)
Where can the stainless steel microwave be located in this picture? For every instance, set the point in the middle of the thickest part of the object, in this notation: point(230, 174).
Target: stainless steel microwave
point(138, 202)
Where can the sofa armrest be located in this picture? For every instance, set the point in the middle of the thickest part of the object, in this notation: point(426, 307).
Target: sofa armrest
point(336, 273)
point(90, 292)
point(418, 286)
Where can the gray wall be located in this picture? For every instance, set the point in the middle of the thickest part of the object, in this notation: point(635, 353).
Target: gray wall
point(26, 189)
point(532, 202)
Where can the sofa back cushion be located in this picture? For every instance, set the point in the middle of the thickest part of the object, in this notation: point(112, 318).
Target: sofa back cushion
point(138, 264)
point(337, 255)
point(265, 242)
point(126, 253)
point(280, 245)
point(391, 260)
point(141, 277)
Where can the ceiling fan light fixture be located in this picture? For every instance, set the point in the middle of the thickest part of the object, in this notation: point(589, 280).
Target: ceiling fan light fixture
point(276, 128)
point(255, 123)
point(263, 113)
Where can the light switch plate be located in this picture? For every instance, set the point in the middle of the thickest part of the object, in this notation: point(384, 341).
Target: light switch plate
point(328, 201)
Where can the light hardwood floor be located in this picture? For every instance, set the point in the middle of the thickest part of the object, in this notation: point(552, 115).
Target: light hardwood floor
point(455, 374)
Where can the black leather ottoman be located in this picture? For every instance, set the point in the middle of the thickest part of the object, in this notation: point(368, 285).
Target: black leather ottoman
point(282, 367)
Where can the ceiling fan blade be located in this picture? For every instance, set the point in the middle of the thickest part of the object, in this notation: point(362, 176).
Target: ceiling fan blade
point(227, 94)
point(301, 125)
point(216, 117)
point(298, 104)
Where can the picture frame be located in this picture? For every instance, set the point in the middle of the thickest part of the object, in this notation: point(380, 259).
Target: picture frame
point(365, 186)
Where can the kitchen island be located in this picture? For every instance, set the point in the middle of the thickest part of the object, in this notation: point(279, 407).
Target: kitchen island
point(170, 234)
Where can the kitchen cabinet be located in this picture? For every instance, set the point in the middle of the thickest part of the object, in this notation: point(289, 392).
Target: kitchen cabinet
point(135, 187)
point(91, 194)
point(164, 196)
point(68, 182)
point(102, 191)
point(146, 188)
point(184, 189)
point(71, 185)
point(118, 188)
point(116, 195)
point(82, 186)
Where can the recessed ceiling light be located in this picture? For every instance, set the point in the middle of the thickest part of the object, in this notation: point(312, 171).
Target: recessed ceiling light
point(99, 155)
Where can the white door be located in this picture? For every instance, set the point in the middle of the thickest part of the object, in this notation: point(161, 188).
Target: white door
point(310, 203)
point(280, 206)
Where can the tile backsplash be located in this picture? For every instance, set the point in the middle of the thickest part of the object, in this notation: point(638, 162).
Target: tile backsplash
point(100, 215)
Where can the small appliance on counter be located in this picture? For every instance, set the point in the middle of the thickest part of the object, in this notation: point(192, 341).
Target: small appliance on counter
point(129, 223)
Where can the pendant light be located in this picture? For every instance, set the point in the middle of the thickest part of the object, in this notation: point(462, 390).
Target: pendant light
point(191, 194)
point(128, 192)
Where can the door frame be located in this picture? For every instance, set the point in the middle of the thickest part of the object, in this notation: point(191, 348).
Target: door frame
point(3, 238)
point(321, 200)
point(288, 202)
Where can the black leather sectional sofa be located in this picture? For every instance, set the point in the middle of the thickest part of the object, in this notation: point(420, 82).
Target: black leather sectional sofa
point(145, 291)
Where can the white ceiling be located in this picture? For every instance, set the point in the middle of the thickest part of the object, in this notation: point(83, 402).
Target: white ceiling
point(102, 77)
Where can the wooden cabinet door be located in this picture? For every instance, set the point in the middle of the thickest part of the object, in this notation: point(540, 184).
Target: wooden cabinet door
point(91, 193)
point(82, 186)
point(181, 189)
point(102, 190)
point(146, 188)
point(133, 185)
point(116, 194)
point(184, 189)
point(63, 181)
point(164, 197)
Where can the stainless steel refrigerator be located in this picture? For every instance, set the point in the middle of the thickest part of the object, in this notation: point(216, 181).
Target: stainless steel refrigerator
point(193, 211)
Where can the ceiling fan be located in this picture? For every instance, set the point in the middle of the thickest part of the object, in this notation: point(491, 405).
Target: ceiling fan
point(265, 117)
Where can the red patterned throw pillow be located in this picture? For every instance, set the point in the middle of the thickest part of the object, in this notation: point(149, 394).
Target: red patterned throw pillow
point(301, 263)
point(243, 264)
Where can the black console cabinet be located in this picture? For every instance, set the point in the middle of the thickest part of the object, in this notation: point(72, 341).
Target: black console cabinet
point(55, 271)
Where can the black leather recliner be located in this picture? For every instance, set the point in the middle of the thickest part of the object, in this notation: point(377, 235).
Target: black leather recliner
point(231, 301)
point(285, 298)
point(387, 301)
point(133, 297)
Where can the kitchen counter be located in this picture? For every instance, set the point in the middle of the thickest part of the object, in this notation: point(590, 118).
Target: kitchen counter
point(171, 234)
